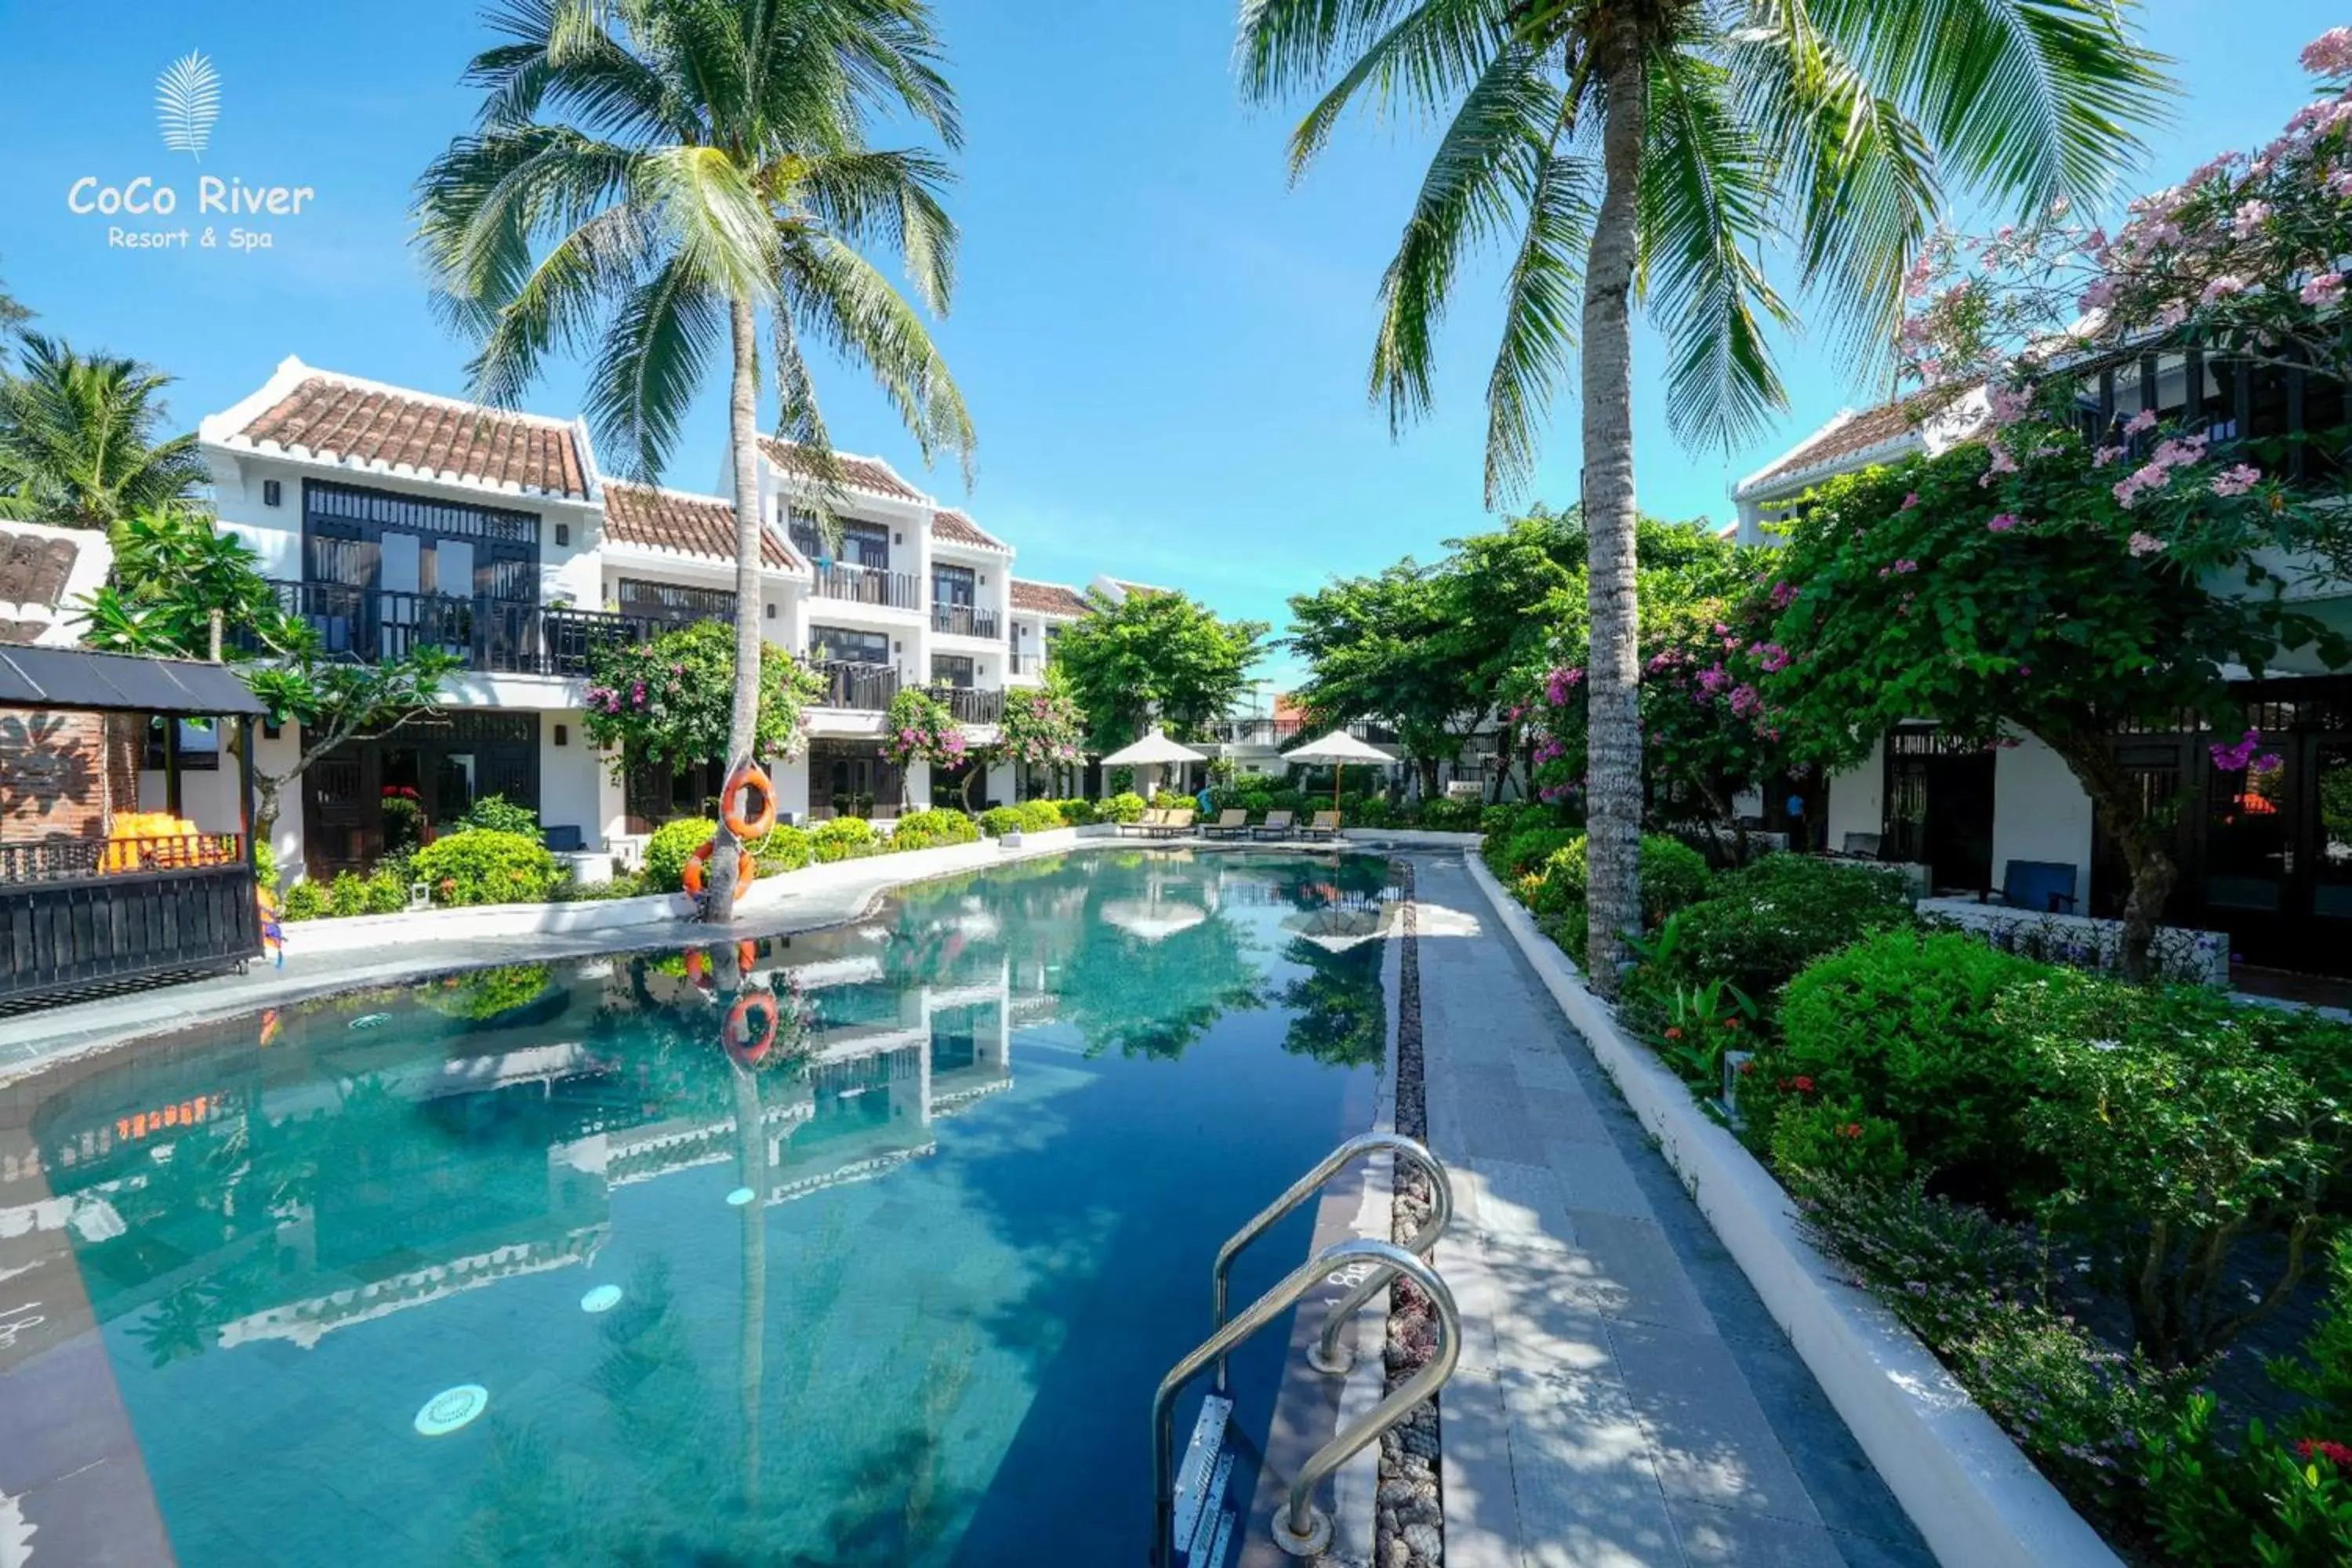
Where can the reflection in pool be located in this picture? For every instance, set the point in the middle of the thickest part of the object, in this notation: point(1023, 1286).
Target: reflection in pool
point(880, 1272)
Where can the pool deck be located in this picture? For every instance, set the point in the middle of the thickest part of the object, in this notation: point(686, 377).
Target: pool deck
point(1622, 1398)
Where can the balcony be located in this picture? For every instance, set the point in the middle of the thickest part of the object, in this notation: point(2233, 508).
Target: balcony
point(972, 704)
point(1275, 734)
point(1024, 663)
point(966, 621)
point(860, 688)
point(509, 636)
point(869, 585)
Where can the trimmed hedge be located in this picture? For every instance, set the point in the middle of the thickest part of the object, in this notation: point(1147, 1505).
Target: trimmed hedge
point(672, 844)
point(482, 866)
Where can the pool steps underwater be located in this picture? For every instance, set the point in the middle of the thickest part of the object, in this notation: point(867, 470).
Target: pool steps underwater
point(1205, 1520)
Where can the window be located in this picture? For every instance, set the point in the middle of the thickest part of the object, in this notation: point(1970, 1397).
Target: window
point(952, 586)
point(405, 544)
point(674, 602)
point(952, 669)
point(862, 543)
point(839, 645)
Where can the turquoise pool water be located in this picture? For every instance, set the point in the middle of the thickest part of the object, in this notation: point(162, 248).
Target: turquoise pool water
point(896, 1291)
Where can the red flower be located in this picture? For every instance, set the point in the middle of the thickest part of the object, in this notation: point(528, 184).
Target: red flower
point(1850, 1129)
point(2335, 1453)
point(1801, 1085)
point(1731, 1023)
point(1673, 1034)
point(1748, 1066)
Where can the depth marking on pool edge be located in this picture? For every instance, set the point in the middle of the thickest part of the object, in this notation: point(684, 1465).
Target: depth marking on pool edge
point(452, 1408)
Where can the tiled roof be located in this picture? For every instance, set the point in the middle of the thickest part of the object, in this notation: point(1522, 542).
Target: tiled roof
point(355, 420)
point(1862, 431)
point(687, 524)
point(1048, 599)
point(869, 474)
point(957, 529)
point(34, 569)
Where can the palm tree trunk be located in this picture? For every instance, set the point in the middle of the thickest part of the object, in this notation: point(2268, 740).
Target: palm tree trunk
point(742, 433)
point(1613, 773)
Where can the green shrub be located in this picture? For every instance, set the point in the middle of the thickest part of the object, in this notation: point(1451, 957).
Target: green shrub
point(1445, 815)
point(2273, 1503)
point(387, 890)
point(672, 844)
point(1124, 807)
point(841, 838)
point(1819, 1135)
point(1673, 876)
point(2180, 1124)
point(931, 828)
point(1040, 816)
point(1760, 924)
point(498, 815)
point(1256, 802)
point(1079, 813)
point(482, 867)
point(785, 848)
point(305, 900)
point(999, 820)
point(1524, 851)
point(265, 864)
point(347, 895)
point(1905, 1024)
point(1503, 820)
point(627, 885)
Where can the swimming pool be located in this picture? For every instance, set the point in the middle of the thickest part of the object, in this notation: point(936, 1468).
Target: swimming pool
point(557, 1263)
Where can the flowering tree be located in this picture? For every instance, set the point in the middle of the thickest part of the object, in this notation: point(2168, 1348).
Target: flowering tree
point(671, 700)
point(1041, 728)
point(917, 727)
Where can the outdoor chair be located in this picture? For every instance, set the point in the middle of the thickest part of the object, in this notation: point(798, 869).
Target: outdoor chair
point(1151, 819)
point(1173, 825)
point(564, 840)
point(1324, 826)
point(1862, 845)
point(2045, 887)
point(1232, 823)
point(1276, 826)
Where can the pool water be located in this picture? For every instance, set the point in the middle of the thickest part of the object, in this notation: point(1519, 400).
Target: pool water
point(552, 1264)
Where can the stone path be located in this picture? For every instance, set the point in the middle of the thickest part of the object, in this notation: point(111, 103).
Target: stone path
point(1622, 1397)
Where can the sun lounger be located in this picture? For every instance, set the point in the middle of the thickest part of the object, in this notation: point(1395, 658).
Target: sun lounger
point(1151, 818)
point(1276, 826)
point(1324, 826)
point(1175, 826)
point(1232, 823)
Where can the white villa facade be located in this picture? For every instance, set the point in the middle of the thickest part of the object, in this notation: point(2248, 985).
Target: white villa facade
point(2264, 856)
point(389, 517)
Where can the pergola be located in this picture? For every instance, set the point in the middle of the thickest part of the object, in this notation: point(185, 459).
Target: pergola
point(79, 912)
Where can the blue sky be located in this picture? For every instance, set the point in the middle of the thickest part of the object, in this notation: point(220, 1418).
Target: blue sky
point(1164, 345)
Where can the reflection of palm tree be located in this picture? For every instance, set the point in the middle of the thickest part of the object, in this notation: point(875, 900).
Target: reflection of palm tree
point(751, 1170)
point(178, 1327)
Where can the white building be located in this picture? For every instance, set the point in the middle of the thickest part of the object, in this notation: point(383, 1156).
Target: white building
point(389, 516)
point(2265, 857)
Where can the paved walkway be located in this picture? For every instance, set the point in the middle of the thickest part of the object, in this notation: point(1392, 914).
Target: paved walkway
point(1622, 1398)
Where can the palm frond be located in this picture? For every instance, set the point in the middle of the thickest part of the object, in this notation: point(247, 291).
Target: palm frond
point(1539, 316)
point(886, 197)
point(837, 296)
point(1706, 194)
point(187, 101)
point(1435, 52)
point(723, 229)
point(653, 358)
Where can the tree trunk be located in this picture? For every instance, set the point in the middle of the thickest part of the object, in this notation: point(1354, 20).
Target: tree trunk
point(1613, 769)
point(1429, 784)
point(743, 418)
point(2123, 816)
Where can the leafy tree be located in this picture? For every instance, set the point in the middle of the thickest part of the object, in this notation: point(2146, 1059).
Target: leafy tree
point(919, 728)
point(652, 177)
point(13, 316)
point(1154, 654)
point(1380, 648)
point(1679, 139)
point(1042, 727)
point(174, 574)
point(670, 700)
point(77, 440)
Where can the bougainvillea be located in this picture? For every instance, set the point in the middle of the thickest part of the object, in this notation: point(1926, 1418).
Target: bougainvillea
point(1041, 728)
point(917, 727)
point(671, 700)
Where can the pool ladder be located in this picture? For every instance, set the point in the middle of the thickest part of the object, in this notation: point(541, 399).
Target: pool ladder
point(1190, 1527)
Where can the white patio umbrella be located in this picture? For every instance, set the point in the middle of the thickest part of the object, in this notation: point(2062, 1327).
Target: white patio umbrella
point(1338, 748)
point(1155, 750)
point(1152, 919)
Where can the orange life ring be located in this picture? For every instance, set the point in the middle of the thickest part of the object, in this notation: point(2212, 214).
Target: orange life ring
point(697, 967)
point(733, 1034)
point(747, 869)
point(749, 777)
point(747, 953)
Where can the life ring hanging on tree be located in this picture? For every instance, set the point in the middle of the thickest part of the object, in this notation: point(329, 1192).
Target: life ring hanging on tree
point(747, 869)
point(749, 777)
point(734, 1034)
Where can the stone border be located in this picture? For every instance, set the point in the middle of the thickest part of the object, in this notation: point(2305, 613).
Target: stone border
point(1410, 1527)
point(1974, 1498)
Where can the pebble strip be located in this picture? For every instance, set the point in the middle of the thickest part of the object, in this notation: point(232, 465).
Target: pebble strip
point(1411, 1528)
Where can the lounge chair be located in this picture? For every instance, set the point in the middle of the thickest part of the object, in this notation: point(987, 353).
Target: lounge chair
point(1276, 826)
point(1152, 818)
point(1175, 825)
point(1232, 823)
point(1324, 826)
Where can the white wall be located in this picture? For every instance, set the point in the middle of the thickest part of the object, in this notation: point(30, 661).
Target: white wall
point(274, 757)
point(2039, 813)
point(568, 796)
point(612, 800)
point(1857, 797)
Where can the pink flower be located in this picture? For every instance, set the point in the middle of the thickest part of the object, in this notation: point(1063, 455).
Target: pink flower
point(2003, 522)
point(2236, 481)
point(2330, 54)
point(2249, 213)
point(1772, 656)
point(2143, 420)
point(1783, 594)
point(2144, 544)
point(2339, 184)
point(1909, 501)
point(1907, 564)
point(2221, 288)
point(2323, 289)
point(2152, 476)
point(2105, 455)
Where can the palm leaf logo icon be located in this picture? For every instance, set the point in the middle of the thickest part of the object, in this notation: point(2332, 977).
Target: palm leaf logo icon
point(187, 101)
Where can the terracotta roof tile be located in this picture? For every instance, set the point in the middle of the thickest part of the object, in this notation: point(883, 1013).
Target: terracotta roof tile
point(1871, 427)
point(34, 569)
point(958, 528)
point(691, 525)
point(869, 474)
point(1048, 599)
point(346, 419)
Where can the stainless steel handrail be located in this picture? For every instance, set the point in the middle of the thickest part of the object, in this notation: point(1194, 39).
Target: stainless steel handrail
point(1305, 1188)
point(1328, 1356)
point(1301, 1521)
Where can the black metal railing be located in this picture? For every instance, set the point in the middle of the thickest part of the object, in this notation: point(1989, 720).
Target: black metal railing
point(869, 585)
point(77, 859)
point(973, 704)
point(864, 688)
point(81, 913)
point(504, 635)
point(965, 621)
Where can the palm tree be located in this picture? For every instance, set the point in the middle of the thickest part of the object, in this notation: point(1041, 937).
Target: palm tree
point(77, 445)
point(1664, 143)
point(652, 177)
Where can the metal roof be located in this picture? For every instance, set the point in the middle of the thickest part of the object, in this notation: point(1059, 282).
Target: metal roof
point(120, 683)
